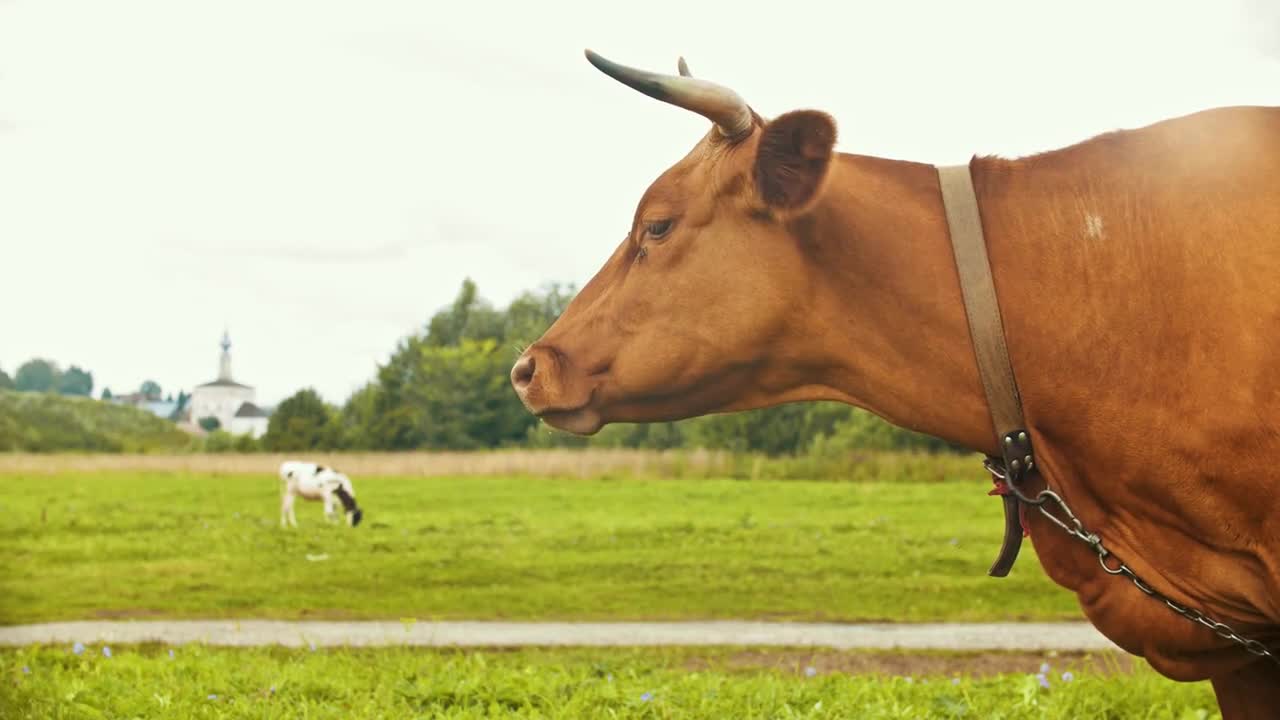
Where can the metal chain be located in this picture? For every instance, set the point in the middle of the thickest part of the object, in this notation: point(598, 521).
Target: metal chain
point(1076, 529)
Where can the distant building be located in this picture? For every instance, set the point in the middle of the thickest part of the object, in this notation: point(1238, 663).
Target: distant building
point(232, 403)
point(249, 420)
point(161, 408)
point(134, 399)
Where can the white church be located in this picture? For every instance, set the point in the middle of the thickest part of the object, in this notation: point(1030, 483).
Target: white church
point(227, 400)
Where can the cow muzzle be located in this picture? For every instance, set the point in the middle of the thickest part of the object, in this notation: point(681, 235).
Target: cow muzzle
point(554, 390)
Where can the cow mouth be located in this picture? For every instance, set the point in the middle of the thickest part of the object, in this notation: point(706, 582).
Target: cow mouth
point(582, 418)
point(582, 421)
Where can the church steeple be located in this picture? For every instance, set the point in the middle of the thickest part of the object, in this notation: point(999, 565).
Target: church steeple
point(224, 365)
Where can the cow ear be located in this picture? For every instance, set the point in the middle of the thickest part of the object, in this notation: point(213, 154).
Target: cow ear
point(792, 159)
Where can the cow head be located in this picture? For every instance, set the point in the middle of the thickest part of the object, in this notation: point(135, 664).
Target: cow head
point(690, 313)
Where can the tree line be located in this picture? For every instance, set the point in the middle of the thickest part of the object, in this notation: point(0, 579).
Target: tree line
point(42, 375)
point(446, 388)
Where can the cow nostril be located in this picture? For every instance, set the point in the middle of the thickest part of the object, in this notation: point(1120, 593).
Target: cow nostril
point(522, 373)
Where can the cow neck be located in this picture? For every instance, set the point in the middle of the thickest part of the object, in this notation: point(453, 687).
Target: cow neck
point(887, 315)
point(901, 244)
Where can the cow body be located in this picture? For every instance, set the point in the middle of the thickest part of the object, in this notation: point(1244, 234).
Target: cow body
point(1138, 275)
point(310, 481)
point(1139, 279)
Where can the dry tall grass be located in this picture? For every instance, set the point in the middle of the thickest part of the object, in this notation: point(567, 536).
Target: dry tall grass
point(554, 463)
point(565, 463)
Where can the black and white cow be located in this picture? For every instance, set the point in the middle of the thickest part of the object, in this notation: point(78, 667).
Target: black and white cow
point(316, 482)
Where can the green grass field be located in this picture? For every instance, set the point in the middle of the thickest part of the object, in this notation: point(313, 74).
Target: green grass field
point(129, 544)
point(52, 683)
point(126, 544)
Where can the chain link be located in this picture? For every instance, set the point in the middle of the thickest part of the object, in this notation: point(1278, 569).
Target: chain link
point(1077, 530)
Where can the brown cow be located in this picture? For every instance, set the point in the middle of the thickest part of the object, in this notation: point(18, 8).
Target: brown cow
point(1138, 275)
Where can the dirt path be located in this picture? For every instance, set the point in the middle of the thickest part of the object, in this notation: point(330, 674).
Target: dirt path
point(937, 636)
point(975, 663)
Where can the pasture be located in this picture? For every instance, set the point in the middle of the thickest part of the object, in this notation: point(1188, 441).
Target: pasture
point(126, 544)
point(203, 541)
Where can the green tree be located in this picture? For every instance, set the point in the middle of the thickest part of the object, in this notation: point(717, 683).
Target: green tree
point(779, 430)
point(655, 435)
point(392, 424)
point(531, 313)
point(183, 399)
point(37, 375)
point(358, 418)
point(6, 382)
point(75, 382)
point(469, 317)
point(106, 393)
point(302, 422)
point(464, 397)
point(210, 424)
point(862, 430)
point(150, 389)
point(455, 397)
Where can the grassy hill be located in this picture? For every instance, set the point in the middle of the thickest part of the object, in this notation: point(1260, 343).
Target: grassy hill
point(38, 422)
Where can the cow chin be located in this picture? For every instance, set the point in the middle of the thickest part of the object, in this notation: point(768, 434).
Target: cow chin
point(583, 421)
point(668, 406)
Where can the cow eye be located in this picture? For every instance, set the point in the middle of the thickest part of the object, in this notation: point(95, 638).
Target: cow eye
point(658, 228)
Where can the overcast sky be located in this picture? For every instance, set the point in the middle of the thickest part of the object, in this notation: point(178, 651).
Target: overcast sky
point(319, 176)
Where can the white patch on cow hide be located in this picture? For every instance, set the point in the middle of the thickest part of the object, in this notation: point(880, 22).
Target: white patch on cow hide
point(1093, 226)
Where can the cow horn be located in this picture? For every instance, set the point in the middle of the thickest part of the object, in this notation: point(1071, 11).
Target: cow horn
point(683, 67)
point(717, 103)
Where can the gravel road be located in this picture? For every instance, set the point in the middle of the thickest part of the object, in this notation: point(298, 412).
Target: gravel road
point(938, 636)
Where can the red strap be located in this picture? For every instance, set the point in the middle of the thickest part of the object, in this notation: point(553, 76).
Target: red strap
point(1002, 488)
